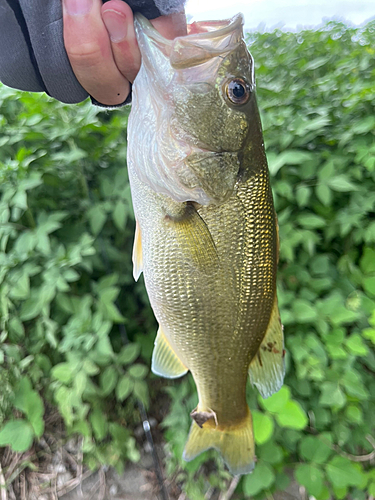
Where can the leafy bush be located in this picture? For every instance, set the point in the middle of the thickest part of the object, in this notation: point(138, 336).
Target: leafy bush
point(66, 239)
point(77, 333)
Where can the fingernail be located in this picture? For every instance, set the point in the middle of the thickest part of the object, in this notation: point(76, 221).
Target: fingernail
point(78, 7)
point(115, 23)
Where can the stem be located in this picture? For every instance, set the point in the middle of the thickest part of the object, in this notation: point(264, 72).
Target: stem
point(147, 429)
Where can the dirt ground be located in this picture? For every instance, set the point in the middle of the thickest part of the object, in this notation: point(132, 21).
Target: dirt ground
point(64, 479)
point(53, 471)
point(135, 484)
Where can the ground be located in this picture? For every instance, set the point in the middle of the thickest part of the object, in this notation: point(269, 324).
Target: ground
point(52, 471)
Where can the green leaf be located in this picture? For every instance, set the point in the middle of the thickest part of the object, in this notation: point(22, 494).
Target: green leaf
point(263, 427)
point(371, 488)
point(109, 294)
point(90, 368)
point(31, 308)
point(277, 401)
point(303, 195)
point(63, 372)
point(315, 449)
point(270, 452)
point(138, 371)
point(20, 200)
point(18, 434)
point(341, 183)
point(369, 284)
point(17, 327)
point(303, 311)
point(99, 424)
point(292, 416)
point(369, 333)
point(63, 397)
point(140, 391)
point(260, 479)
point(311, 221)
point(352, 382)
point(80, 382)
point(104, 348)
point(324, 194)
point(108, 380)
point(119, 215)
point(282, 481)
point(97, 217)
point(356, 345)
point(111, 312)
point(30, 403)
point(364, 126)
point(34, 180)
point(342, 473)
point(21, 289)
point(340, 493)
point(124, 387)
point(343, 433)
point(311, 477)
point(354, 414)
point(290, 157)
point(48, 223)
point(368, 261)
point(315, 63)
point(128, 354)
point(332, 395)
point(70, 275)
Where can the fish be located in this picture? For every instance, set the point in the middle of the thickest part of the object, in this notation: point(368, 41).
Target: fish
point(206, 234)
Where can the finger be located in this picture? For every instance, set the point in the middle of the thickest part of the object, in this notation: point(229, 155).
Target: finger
point(171, 26)
point(118, 19)
point(90, 53)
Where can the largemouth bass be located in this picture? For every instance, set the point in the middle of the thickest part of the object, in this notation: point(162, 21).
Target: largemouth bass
point(206, 235)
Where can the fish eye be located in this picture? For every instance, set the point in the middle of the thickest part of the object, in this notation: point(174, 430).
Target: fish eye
point(238, 91)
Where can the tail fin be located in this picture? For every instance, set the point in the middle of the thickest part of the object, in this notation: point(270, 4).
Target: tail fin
point(235, 443)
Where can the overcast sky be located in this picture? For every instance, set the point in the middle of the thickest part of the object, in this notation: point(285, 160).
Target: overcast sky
point(293, 14)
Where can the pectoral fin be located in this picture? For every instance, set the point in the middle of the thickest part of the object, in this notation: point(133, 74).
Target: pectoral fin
point(195, 240)
point(137, 253)
point(165, 361)
point(267, 368)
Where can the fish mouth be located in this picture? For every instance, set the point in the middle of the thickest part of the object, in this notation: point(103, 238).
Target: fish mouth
point(205, 40)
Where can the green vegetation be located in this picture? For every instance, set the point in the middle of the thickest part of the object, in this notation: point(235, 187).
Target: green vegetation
point(77, 333)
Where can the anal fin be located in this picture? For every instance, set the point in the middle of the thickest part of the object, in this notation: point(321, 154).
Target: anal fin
point(165, 361)
point(267, 368)
point(137, 253)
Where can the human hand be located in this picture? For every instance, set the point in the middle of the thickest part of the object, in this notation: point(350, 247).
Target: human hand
point(102, 48)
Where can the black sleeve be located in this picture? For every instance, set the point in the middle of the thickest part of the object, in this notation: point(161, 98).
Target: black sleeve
point(32, 53)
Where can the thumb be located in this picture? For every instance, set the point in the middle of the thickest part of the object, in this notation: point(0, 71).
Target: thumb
point(171, 26)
